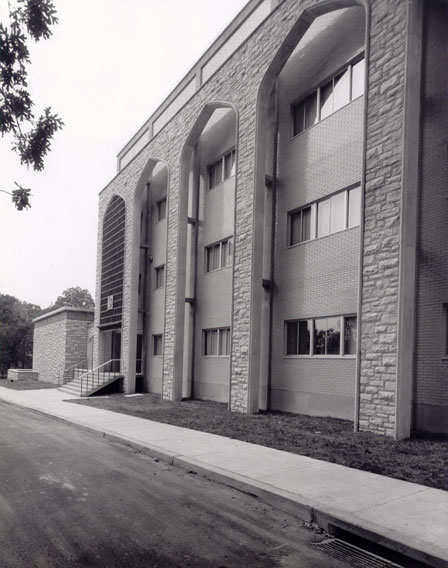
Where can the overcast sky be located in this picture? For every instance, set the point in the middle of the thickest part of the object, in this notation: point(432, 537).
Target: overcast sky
point(107, 67)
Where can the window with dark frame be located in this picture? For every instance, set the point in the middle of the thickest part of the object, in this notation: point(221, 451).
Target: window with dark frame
point(218, 255)
point(157, 341)
point(161, 209)
point(216, 342)
point(321, 336)
point(300, 226)
point(159, 276)
point(222, 169)
point(339, 211)
point(445, 331)
point(341, 89)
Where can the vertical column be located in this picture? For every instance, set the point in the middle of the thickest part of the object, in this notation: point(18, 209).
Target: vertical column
point(380, 289)
point(409, 223)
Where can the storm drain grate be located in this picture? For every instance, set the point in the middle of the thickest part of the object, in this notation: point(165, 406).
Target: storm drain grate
point(353, 555)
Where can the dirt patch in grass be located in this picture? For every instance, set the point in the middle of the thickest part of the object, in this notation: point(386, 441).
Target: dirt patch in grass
point(26, 384)
point(422, 459)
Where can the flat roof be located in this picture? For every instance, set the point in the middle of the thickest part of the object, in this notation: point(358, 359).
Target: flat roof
point(64, 309)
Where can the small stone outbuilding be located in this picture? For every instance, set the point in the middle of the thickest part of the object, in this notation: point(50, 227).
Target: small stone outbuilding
point(62, 338)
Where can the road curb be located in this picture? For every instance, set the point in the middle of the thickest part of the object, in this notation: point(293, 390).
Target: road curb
point(300, 507)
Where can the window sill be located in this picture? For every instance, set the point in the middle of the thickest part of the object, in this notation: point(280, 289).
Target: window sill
point(217, 270)
point(319, 357)
point(322, 237)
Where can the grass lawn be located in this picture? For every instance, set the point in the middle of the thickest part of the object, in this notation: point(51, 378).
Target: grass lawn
point(26, 384)
point(422, 459)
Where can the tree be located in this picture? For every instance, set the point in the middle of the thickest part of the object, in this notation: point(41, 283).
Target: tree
point(16, 333)
point(29, 20)
point(75, 297)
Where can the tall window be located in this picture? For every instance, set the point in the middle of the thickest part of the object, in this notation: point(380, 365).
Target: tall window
point(321, 336)
point(157, 345)
point(344, 87)
point(340, 211)
point(216, 341)
point(300, 226)
point(221, 170)
point(159, 276)
point(161, 209)
point(112, 262)
point(218, 255)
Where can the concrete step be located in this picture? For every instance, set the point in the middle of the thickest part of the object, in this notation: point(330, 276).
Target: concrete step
point(103, 379)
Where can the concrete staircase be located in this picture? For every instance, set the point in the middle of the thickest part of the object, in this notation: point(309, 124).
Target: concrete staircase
point(88, 382)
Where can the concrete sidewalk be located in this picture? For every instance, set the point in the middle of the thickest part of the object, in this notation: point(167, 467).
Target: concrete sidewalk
point(406, 517)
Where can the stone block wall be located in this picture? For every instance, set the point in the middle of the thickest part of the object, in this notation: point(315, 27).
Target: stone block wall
point(60, 341)
point(382, 209)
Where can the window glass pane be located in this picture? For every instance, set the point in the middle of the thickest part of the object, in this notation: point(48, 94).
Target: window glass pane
point(233, 168)
point(341, 90)
point(354, 207)
point(157, 345)
point(160, 276)
point(216, 257)
point(294, 228)
point(223, 254)
point(218, 172)
point(210, 172)
point(161, 210)
point(358, 72)
point(320, 334)
point(326, 100)
point(304, 337)
point(291, 337)
point(214, 342)
point(445, 307)
point(208, 259)
point(337, 214)
point(333, 336)
point(306, 224)
point(299, 118)
point(310, 117)
point(350, 326)
point(224, 336)
point(323, 218)
point(227, 165)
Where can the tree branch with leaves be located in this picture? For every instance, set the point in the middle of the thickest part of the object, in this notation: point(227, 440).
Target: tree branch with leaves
point(28, 20)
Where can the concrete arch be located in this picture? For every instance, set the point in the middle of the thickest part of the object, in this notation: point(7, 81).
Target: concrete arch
point(130, 315)
point(186, 157)
point(260, 328)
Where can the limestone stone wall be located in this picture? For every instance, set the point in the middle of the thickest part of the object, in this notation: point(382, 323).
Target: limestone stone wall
point(49, 347)
point(60, 341)
point(381, 242)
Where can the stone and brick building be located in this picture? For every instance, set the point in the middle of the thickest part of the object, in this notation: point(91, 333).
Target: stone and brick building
point(62, 339)
point(275, 236)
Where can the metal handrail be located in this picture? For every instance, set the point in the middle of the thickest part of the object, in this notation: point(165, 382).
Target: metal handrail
point(100, 375)
point(68, 374)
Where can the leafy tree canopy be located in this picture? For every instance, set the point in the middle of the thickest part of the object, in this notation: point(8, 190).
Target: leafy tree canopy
point(16, 333)
point(75, 297)
point(28, 20)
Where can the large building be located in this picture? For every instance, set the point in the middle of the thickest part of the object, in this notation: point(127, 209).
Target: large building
point(276, 234)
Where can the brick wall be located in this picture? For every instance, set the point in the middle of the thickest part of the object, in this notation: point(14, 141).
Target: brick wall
point(430, 387)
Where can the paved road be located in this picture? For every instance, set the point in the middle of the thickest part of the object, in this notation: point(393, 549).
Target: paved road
point(69, 498)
